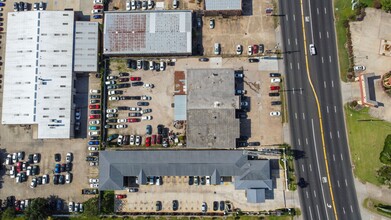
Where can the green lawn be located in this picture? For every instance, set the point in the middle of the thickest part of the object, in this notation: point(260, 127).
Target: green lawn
point(343, 9)
point(366, 139)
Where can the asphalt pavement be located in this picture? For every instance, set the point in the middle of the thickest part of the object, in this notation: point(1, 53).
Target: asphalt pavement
point(328, 192)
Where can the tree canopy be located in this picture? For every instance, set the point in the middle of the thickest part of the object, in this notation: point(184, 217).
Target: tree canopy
point(385, 155)
point(91, 207)
point(38, 209)
point(386, 5)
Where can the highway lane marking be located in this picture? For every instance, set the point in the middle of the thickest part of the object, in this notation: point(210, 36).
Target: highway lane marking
point(317, 161)
point(286, 18)
point(291, 68)
point(303, 116)
point(310, 168)
point(330, 59)
point(351, 208)
point(335, 109)
point(325, 10)
point(320, 35)
point(298, 66)
point(317, 10)
point(293, 89)
point(331, 135)
point(296, 115)
point(309, 207)
point(294, 17)
point(317, 208)
point(346, 182)
point(315, 193)
point(338, 133)
point(332, 84)
point(327, 33)
point(324, 84)
point(296, 41)
point(327, 107)
point(289, 41)
point(302, 167)
point(298, 140)
point(341, 157)
point(343, 208)
point(320, 120)
point(306, 141)
point(322, 60)
point(334, 157)
point(306, 192)
point(338, 183)
point(301, 91)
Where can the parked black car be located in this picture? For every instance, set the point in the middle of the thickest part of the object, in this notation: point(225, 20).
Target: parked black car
point(274, 94)
point(57, 157)
point(122, 108)
point(122, 74)
point(253, 60)
point(132, 64)
point(61, 179)
point(203, 59)
point(274, 75)
point(94, 96)
point(276, 102)
point(215, 206)
point(137, 83)
point(130, 97)
point(35, 170)
point(222, 206)
point(191, 180)
point(63, 167)
point(157, 66)
point(255, 143)
point(68, 166)
point(142, 103)
point(160, 129)
point(134, 114)
point(123, 85)
point(175, 205)
point(241, 144)
point(55, 179)
point(30, 159)
point(111, 120)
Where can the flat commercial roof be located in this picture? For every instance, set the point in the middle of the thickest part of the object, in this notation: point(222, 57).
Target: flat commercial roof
point(147, 33)
point(180, 108)
point(38, 71)
point(211, 104)
point(211, 89)
point(114, 166)
point(86, 46)
point(219, 5)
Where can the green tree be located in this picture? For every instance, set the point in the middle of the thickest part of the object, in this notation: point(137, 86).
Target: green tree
point(8, 214)
point(385, 155)
point(386, 5)
point(384, 175)
point(38, 209)
point(107, 205)
point(91, 207)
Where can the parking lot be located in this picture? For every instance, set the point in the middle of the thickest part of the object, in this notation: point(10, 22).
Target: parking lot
point(253, 28)
point(191, 197)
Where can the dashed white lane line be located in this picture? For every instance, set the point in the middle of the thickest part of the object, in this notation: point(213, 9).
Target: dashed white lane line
point(338, 183)
point(298, 66)
point(330, 59)
point(351, 208)
point(331, 135)
point(303, 116)
point(334, 157)
point(310, 168)
point(296, 41)
point(302, 167)
point(332, 84)
point(346, 182)
point(324, 84)
point(327, 108)
point(315, 193)
point(341, 157)
point(343, 208)
point(322, 60)
point(317, 10)
point(325, 10)
point(335, 109)
point(338, 134)
point(289, 41)
point(295, 115)
point(306, 141)
point(294, 17)
point(327, 33)
point(320, 35)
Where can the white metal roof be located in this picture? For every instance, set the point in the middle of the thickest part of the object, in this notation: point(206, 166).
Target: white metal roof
point(86, 46)
point(223, 5)
point(38, 71)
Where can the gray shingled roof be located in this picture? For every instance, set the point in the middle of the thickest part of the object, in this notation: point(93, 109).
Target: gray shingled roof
point(114, 165)
point(255, 195)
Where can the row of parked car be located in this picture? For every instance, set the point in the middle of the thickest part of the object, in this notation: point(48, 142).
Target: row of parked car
point(251, 49)
point(97, 9)
point(25, 6)
point(275, 91)
point(139, 5)
point(148, 65)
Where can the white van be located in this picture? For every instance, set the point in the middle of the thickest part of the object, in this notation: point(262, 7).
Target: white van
point(312, 49)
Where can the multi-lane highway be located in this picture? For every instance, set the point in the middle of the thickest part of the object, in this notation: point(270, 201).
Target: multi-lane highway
point(316, 112)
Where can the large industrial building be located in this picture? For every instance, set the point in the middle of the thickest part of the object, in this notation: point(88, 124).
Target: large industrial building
point(223, 7)
point(39, 69)
point(119, 170)
point(147, 33)
point(211, 106)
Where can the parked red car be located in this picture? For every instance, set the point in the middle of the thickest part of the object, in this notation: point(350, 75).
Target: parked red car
point(148, 141)
point(18, 167)
point(94, 116)
point(274, 88)
point(159, 139)
point(94, 106)
point(135, 78)
point(120, 196)
point(98, 6)
point(123, 80)
point(255, 49)
point(132, 120)
point(153, 141)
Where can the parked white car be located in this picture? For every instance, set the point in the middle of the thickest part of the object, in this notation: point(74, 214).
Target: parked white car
point(113, 98)
point(275, 113)
point(93, 148)
point(138, 140)
point(145, 97)
point(121, 126)
point(111, 110)
point(94, 91)
point(121, 120)
point(148, 117)
point(275, 80)
point(96, 11)
point(148, 85)
point(95, 122)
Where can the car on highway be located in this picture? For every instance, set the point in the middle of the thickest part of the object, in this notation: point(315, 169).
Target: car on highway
point(312, 49)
